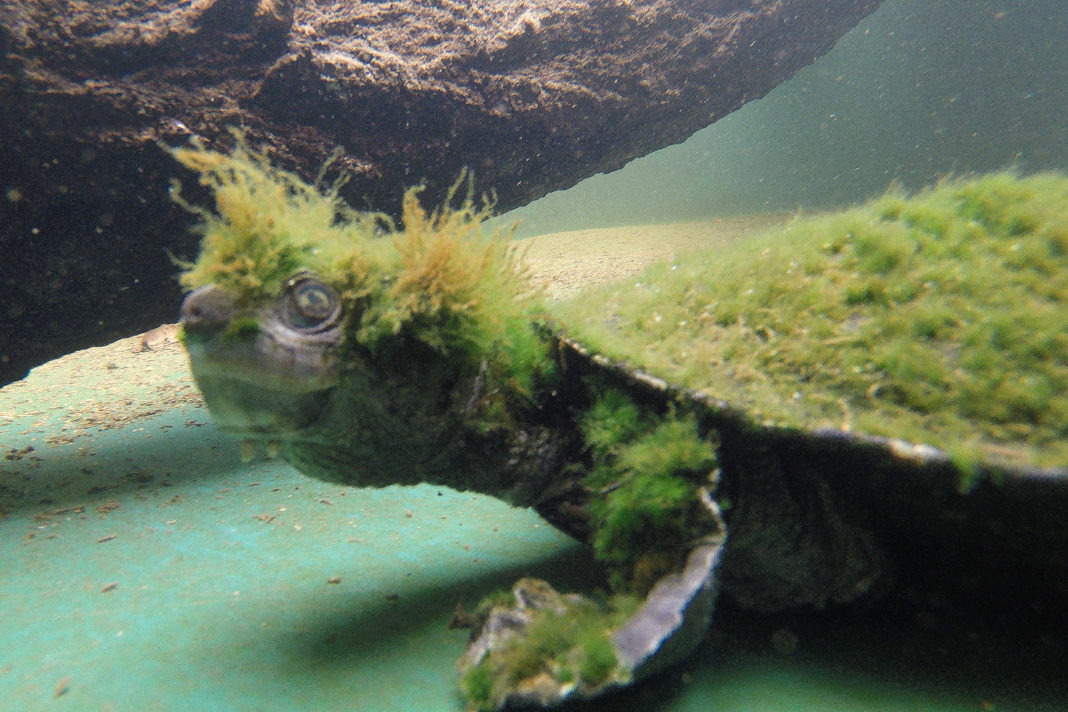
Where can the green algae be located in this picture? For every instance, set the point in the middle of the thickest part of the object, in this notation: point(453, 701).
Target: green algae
point(939, 318)
point(646, 473)
point(567, 640)
point(241, 327)
point(269, 224)
point(438, 277)
point(477, 687)
point(645, 470)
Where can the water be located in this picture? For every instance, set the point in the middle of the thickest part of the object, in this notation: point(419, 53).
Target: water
point(218, 609)
point(918, 90)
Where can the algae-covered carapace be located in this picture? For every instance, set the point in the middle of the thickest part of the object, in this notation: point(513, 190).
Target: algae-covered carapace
point(938, 318)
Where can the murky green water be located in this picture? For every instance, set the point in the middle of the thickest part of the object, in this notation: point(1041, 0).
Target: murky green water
point(919, 89)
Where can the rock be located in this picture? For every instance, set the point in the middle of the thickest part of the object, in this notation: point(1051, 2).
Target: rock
point(532, 95)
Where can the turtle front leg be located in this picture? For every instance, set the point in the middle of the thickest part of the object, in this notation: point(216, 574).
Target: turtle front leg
point(655, 526)
point(538, 647)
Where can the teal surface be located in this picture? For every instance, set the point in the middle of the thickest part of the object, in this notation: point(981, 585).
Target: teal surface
point(222, 597)
point(145, 567)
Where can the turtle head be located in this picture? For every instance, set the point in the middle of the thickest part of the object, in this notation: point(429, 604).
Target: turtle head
point(313, 326)
point(265, 369)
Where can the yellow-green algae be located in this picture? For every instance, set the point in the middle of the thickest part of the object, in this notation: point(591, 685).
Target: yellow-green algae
point(439, 277)
point(568, 641)
point(940, 318)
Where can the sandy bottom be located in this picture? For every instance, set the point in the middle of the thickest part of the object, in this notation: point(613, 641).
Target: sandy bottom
point(565, 262)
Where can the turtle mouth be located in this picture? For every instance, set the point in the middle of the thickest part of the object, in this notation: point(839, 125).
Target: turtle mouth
point(262, 418)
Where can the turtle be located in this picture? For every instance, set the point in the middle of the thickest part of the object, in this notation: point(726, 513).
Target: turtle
point(753, 422)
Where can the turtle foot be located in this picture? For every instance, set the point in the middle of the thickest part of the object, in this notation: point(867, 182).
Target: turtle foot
point(536, 647)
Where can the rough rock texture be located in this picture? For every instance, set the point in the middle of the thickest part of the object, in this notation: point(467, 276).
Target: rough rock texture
point(533, 95)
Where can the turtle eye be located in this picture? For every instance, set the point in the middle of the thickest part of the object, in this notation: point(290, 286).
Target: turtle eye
point(310, 305)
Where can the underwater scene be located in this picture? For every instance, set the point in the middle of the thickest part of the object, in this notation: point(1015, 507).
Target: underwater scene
point(592, 355)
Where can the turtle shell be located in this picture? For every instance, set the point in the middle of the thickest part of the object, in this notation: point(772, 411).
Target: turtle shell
point(911, 353)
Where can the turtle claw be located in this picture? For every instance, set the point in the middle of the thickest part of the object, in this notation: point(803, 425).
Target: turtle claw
point(537, 647)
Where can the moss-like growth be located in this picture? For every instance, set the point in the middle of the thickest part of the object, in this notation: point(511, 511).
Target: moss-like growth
point(568, 640)
point(613, 421)
point(477, 687)
point(647, 471)
point(241, 327)
point(269, 224)
point(939, 318)
point(502, 599)
point(438, 278)
point(598, 658)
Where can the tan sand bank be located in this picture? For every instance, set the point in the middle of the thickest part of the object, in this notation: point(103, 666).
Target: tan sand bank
point(564, 262)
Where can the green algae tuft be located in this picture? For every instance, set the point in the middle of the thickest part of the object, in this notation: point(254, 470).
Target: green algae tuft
point(477, 687)
point(646, 474)
point(566, 639)
point(269, 224)
point(438, 278)
point(940, 318)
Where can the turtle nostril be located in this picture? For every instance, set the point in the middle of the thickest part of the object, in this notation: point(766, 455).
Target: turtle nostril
point(206, 309)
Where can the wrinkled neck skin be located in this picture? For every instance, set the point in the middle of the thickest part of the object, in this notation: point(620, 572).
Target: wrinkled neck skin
point(410, 415)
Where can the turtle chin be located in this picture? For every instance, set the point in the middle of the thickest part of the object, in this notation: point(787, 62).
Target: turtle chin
point(262, 388)
point(260, 407)
point(248, 410)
